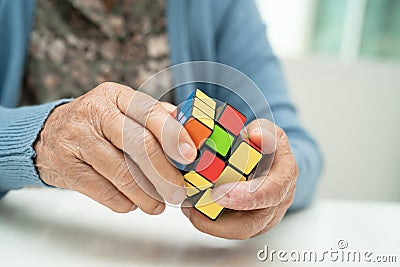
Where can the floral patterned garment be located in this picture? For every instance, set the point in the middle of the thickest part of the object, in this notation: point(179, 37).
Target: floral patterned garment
point(78, 44)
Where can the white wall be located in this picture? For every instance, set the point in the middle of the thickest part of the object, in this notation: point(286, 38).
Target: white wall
point(353, 109)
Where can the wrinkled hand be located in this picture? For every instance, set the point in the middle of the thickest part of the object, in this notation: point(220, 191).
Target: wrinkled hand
point(260, 203)
point(84, 143)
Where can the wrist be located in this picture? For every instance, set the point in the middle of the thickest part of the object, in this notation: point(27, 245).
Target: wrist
point(45, 143)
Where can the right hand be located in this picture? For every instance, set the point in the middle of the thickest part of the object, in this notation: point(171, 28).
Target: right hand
point(109, 144)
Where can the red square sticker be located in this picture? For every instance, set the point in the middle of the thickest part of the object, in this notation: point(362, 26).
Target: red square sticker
point(210, 166)
point(232, 120)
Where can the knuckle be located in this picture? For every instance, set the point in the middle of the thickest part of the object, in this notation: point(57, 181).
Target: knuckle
point(157, 110)
point(128, 184)
point(107, 87)
point(237, 201)
point(107, 194)
point(150, 145)
point(78, 181)
point(280, 132)
point(111, 91)
point(95, 112)
point(259, 200)
point(280, 195)
point(122, 175)
point(135, 136)
point(90, 147)
point(279, 192)
point(292, 170)
point(109, 116)
point(136, 139)
point(146, 102)
point(154, 110)
point(94, 102)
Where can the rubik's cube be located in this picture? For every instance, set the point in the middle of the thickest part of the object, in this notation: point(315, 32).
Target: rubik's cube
point(224, 154)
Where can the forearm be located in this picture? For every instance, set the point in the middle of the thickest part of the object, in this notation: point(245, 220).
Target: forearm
point(19, 129)
point(309, 160)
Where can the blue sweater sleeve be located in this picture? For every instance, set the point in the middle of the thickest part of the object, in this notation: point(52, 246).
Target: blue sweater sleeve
point(19, 128)
point(242, 44)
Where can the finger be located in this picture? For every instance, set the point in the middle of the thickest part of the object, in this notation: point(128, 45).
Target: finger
point(261, 192)
point(170, 108)
point(280, 212)
point(95, 186)
point(263, 133)
point(147, 153)
point(144, 149)
point(149, 113)
point(274, 222)
point(147, 188)
point(124, 174)
point(232, 224)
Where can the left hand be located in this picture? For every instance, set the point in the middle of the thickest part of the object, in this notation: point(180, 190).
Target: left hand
point(258, 204)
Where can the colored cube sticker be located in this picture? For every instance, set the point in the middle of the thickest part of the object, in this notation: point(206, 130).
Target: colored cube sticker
point(230, 175)
point(200, 101)
point(208, 207)
point(197, 180)
point(191, 190)
point(197, 115)
point(210, 165)
point(230, 119)
point(205, 98)
point(245, 157)
point(224, 155)
point(198, 131)
point(198, 110)
point(220, 141)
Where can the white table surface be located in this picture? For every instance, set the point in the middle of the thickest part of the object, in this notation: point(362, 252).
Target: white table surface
point(53, 227)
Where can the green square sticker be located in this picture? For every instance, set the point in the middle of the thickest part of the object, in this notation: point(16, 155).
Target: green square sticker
point(220, 140)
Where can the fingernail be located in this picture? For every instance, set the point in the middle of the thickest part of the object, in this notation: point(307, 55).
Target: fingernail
point(187, 151)
point(134, 207)
point(256, 131)
point(159, 209)
point(178, 196)
point(266, 147)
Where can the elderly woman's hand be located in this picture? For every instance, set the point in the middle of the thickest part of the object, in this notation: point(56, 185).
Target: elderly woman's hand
point(107, 144)
point(260, 203)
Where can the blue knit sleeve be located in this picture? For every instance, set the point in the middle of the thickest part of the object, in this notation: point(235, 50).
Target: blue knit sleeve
point(242, 44)
point(19, 128)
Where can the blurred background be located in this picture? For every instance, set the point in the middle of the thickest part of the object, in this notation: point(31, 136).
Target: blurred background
point(342, 64)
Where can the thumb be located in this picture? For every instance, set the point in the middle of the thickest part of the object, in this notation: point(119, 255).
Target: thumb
point(262, 133)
